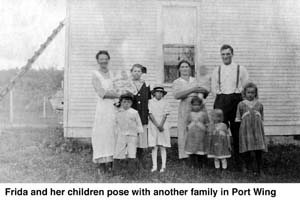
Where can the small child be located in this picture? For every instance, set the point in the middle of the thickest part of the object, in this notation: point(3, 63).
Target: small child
point(123, 84)
point(251, 135)
point(196, 132)
point(218, 140)
point(128, 126)
point(158, 134)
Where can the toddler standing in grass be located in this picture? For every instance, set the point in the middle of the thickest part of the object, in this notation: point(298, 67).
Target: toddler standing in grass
point(196, 137)
point(128, 125)
point(159, 136)
point(218, 140)
point(251, 134)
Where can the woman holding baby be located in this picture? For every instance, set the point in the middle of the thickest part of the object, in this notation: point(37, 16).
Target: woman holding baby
point(184, 89)
point(108, 87)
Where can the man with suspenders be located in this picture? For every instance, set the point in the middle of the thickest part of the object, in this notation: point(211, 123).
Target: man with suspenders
point(227, 83)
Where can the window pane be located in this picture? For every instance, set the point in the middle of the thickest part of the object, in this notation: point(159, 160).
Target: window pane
point(173, 54)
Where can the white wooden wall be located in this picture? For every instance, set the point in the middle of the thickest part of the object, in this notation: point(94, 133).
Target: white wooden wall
point(264, 34)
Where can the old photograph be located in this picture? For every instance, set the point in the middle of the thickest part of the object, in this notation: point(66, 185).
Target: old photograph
point(150, 91)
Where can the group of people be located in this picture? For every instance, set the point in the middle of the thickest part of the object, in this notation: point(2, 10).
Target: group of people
point(128, 122)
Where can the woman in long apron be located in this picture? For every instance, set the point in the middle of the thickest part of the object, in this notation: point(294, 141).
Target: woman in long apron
point(103, 138)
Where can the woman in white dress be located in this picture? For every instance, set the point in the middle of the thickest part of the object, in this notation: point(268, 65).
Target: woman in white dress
point(103, 139)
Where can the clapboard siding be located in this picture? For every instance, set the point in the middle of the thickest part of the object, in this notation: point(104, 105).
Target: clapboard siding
point(262, 33)
point(254, 29)
point(96, 25)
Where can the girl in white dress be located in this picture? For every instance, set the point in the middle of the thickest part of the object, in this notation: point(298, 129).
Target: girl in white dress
point(159, 135)
point(103, 140)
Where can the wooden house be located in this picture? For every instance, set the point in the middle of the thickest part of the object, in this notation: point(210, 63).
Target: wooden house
point(265, 35)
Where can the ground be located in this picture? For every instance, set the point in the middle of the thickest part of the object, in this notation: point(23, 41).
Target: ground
point(42, 155)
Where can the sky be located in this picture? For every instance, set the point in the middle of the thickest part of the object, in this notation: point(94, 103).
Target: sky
point(25, 25)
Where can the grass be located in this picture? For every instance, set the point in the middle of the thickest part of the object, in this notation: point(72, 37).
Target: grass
point(43, 155)
point(20, 117)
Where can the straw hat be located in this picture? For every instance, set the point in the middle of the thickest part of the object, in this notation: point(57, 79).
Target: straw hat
point(159, 88)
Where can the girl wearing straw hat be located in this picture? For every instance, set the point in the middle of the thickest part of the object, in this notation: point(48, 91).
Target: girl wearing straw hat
point(158, 136)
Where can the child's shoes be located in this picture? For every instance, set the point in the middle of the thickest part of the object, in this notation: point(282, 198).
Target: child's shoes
point(154, 169)
point(162, 170)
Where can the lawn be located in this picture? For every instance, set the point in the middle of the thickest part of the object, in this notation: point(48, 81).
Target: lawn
point(43, 155)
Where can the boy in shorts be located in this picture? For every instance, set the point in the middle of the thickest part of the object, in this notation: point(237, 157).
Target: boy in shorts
point(128, 126)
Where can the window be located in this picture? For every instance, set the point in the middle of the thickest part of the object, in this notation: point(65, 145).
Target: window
point(173, 54)
point(179, 25)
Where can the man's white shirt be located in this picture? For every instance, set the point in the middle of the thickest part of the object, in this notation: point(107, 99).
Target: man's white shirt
point(228, 79)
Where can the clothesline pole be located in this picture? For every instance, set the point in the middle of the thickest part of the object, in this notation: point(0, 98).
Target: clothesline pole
point(44, 107)
point(11, 107)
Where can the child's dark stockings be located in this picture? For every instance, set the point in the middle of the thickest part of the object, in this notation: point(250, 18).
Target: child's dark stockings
point(105, 167)
point(140, 157)
point(259, 161)
point(132, 165)
point(129, 165)
point(253, 159)
point(197, 161)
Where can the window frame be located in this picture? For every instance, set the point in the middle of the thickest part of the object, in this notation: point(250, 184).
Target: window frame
point(178, 46)
point(160, 61)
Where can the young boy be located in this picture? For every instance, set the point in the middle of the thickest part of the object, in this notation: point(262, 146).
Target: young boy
point(128, 126)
